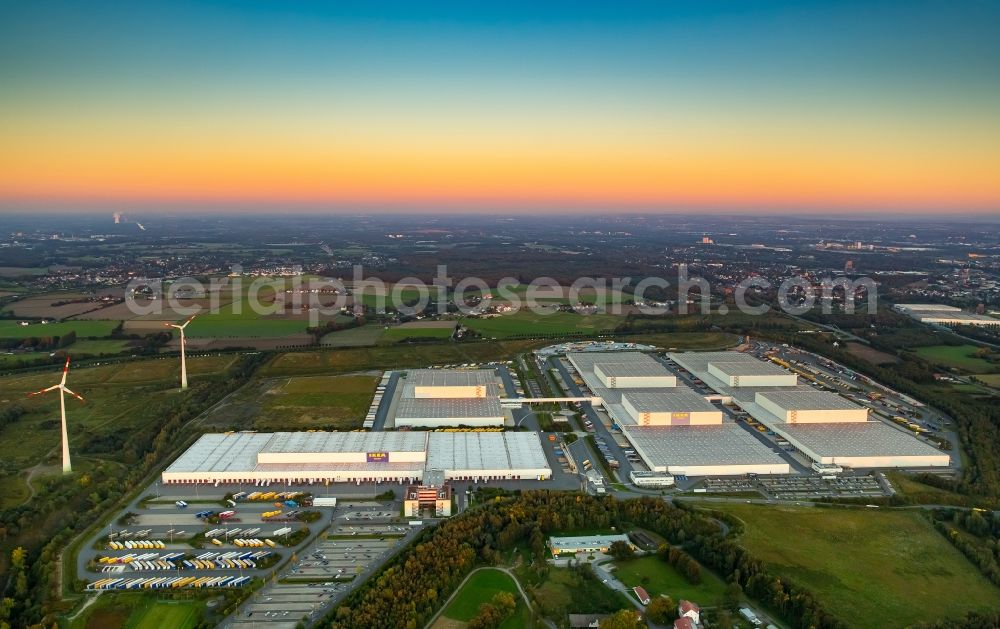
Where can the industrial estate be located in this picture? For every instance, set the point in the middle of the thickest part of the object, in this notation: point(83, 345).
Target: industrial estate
point(672, 428)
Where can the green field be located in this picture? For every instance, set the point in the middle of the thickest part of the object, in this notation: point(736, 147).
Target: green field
point(659, 577)
point(527, 322)
point(992, 380)
point(242, 322)
point(354, 337)
point(398, 334)
point(115, 396)
point(329, 402)
point(481, 587)
point(97, 347)
point(958, 356)
point(889, 567)
point(135, 610)
point(355, 359)
point(9, 329)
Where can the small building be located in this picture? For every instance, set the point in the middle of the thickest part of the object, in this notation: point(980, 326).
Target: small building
point(642, 594)
point(687, 609)
point(641, 478)
point(585, 544)
point(420, 497)
point(586, 621)
point(684, 623)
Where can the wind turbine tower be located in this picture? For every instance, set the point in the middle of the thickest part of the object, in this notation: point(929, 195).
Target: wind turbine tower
point(181, 326)
point(63, 390)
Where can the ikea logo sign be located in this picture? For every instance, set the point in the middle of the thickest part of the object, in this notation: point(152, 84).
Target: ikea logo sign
point(378, 457)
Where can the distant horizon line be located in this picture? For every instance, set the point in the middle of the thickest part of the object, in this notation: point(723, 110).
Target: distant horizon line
point(502, 213)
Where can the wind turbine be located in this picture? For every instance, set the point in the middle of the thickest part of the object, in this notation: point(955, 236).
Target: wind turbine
point(63, 390)
point(181, 326)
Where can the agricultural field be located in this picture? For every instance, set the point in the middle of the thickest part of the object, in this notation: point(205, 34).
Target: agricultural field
point(958, 356)
point(354, 337)
point(992, 380)
point(421, 330)
point(556, 295)
point(10, 329)
point(481, 587)
point(355, 359)
point(687, 341)
point(96, 347)
point(872, 355)
point(44, 306)
point(889, 567)
point(526, 322)
point(659, 577)
point(327, 402)
point(242, 322)
point(22, 271)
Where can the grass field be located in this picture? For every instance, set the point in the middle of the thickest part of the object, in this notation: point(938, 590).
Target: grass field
point(354, 337)
point(659, 577)
point(97, 347)
point(400, 333)
point(329, 402)
point(992, 380)
point(238, 320)
point(889, 567)
point(958, 356)
point(9, 329)
point(115, 396)
point(527, 322)
point(481, 587)
point(872, 355)
point(134, 610)
point(392, 357)
point(563, 591)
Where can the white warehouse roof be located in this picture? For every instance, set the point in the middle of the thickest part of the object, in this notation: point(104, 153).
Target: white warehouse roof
point(746, 368)
point(720, 449)
point(485, 451)
point(808, 399)
point(221, 453)
point(633, 369)
point(862, 444)
point(439, 408)
point(346, 442)
point(681, 400)
point(450, 377)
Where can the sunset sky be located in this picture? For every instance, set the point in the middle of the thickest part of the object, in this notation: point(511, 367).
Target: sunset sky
point(847, 107)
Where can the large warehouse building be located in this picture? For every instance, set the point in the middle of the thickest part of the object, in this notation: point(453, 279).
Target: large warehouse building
point(672, 428)
point(435, 398)
point(719, 450)
point(680, 407)
point(342, 457)
point(824, 426)
point(810, 407)
point(944, 315)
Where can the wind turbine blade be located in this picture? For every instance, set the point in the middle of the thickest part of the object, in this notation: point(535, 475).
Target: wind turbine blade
point(189, 320)
point(52, 388)
point(65, 370)
point(76, 395)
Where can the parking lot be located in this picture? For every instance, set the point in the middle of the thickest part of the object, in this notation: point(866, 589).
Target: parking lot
point(361, 538)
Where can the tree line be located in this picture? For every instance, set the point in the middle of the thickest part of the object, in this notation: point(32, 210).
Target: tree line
point(409, 589)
